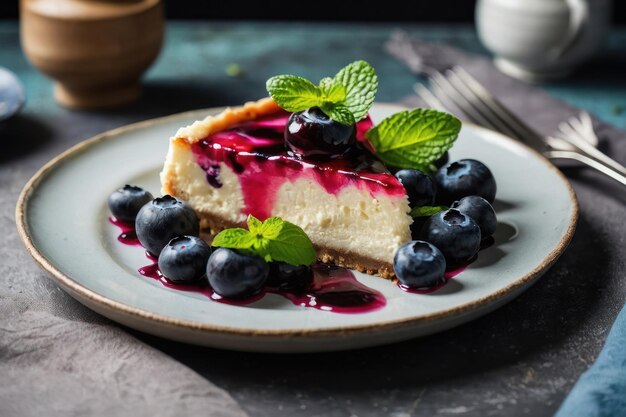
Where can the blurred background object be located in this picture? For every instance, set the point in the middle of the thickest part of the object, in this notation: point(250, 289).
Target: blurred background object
point(96, 51)
point(11, 94)
point(542, 39)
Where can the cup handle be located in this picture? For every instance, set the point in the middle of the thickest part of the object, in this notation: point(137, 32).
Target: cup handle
point(578, 17)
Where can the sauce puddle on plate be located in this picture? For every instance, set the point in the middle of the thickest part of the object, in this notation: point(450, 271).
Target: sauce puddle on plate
point(333, 289)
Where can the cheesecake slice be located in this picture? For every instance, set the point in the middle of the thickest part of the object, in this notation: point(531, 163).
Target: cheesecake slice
point(233, 164)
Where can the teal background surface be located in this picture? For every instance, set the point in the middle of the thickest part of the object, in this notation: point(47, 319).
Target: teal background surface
point(191, 71)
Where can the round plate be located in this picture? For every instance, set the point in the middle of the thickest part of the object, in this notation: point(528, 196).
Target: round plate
point(62, 219)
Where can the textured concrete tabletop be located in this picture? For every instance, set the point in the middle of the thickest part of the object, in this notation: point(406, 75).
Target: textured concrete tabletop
point(520, 360)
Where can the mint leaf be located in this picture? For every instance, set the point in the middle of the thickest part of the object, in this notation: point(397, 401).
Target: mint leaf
point(338, 113)
point(427, 211)
point(273, 240)
point(414, 138)
point(234, 239)
point(288, 242)
point(254, 224)
point(293, 93)
point(361, 83)
point(332, 90)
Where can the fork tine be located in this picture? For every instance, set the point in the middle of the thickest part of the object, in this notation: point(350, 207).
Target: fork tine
point(576, 124)
point(559, 144)
point(527, 134)
point(449, 102)
point(585, 120)
point(443, 101)
point(478, 105)
point(578, 128)
point(568, 130)
point(587, 124)
point(459, 101)
point(583, 126)
point(428, 97)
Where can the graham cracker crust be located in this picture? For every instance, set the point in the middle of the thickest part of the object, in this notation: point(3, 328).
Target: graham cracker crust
point(212, 225)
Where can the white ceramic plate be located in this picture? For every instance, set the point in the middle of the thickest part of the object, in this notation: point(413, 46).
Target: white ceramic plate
point(62, 218)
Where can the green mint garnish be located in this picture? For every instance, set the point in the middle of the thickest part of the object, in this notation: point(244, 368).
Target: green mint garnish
point(426, 211)
point(345, 98)
point(361, 84)
point(414, 138)
point(294, 93)
point(273, 240)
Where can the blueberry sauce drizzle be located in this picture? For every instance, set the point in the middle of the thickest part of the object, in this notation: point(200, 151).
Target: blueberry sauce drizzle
point(333, 289)
point(127, 235)
point(449, 274)
point(258, 147)
point(336, 289)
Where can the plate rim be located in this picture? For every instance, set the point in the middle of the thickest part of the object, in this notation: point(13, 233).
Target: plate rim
point(75, 288)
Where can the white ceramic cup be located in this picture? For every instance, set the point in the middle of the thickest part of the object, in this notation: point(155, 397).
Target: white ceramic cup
point(542, 39)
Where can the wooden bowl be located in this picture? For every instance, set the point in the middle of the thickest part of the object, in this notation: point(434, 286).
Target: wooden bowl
point(95, 50)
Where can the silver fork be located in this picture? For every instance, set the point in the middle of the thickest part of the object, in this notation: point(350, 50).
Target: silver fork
point(457, 91)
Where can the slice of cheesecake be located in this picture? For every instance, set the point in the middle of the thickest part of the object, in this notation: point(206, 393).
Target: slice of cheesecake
point(233, 164)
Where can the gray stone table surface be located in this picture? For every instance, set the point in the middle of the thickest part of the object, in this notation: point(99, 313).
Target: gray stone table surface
point(520, 360)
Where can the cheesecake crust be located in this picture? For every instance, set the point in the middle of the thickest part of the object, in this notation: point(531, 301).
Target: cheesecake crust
point(231, 116)
point(212, 225)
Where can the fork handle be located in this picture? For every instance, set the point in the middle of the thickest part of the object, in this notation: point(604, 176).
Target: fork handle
point(590, 162)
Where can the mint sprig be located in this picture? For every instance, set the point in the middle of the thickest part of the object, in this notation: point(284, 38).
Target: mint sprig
point(414, 138)
point(345, 98)
point(273, 240)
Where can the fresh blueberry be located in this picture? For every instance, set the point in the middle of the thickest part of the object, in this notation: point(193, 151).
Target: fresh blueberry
point(455, 234)
point(419, 187)
point(443, 159)
point(163, 219)
point(459, 179)
point(285, 277)
point(419, 264)
point(126, 202)
point(234, 275)
point(416, 226)
point(184, 259)
point(481, 211)
point(312, 134)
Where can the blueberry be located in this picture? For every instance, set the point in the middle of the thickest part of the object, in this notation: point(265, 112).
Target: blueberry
point(455, 234)
point(419, 264)
point(416, 226)
point(312, 134)
point(285, 277)
point(465, 177)
point(163, 219)
point(419, 187)
point(443, 159)
point(234, 275)
point(481, 211)
point(184, 259)
point(126, 202)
